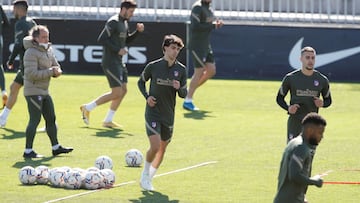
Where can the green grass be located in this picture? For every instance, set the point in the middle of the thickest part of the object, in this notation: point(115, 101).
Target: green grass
point(241, 127)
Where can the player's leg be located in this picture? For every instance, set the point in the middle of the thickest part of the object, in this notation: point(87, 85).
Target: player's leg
point(199, 68)
point(209, 72)
point(108, 121)
point(2, 74)
point(114, 77)
point(153, 130)
point(48, 112)
point(34, 104)
point(14, 91)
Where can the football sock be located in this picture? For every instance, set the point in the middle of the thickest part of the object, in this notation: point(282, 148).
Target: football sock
point(152, 171)
point(90, 106)
point(55, 147)
point(28, 150)
point(5, 112)
point(147, 166)
point(187, 100)
point(3, 92)
point(110, 115)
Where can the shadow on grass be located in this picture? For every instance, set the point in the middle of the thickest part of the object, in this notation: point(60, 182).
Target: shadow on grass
point(33, 162)
point(14, 134)
point(152, 196)
point(109, 132)
point(197, 115)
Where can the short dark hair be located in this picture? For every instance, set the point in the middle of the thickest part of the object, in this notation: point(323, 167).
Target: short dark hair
point(172, 39)
point(313, 118)
point(128, 4)
point(21, 3)
point(35, 31)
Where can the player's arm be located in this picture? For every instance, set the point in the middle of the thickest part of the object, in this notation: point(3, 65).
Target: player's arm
point(144, 77)
point(182, 91)
point(105, 36)
point(196, 23)
point(31, 67)
point(20, 32)
point(280, 98)
point(133, 35)
point(296, 164)
point(326, 95)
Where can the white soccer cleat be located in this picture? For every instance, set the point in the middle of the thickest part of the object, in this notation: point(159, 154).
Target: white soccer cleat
point(145, 182)
point(85, 114)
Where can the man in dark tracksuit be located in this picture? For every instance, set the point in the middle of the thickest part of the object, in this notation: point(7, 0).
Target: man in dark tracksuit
point(202, 24)
point(114, 37)
point(22, 27)
point(168, 79)
point(4, 22)
point(305, 86)
point(295, 168)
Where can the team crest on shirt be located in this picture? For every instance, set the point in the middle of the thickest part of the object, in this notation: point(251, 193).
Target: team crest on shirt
point(153, 124)
point(176, 73)
point(39, 98)
point(316, 83)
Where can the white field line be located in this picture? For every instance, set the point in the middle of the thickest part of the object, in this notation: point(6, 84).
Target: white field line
point(132, 182)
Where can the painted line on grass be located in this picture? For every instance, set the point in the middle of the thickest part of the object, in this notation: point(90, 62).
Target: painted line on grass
point(132, 182)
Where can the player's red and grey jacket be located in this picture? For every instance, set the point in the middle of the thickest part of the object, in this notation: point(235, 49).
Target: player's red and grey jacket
point(22, 28)
point(114, 37)
point(38, 64)
point(161, 87)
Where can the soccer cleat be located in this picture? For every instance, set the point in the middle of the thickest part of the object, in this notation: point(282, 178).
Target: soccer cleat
point(2, 121)
point(31, 155)
point(62, 150)
point(190, 106)
point(111, 125)
point(4, 99)
point(85, 114)
point(145, 182)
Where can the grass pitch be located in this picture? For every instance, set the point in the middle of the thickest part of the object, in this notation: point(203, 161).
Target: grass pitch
point(240, 126)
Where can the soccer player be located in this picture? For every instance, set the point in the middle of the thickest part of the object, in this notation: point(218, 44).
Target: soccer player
point(202, 24)
point(305, 86)
point(295, 168)
point(4, 22)
point(114, 38)
point(22, 27)
point(168, 78)
point(40, 65)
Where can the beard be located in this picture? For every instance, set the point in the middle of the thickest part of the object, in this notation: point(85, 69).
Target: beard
point(309, 68)
point(313, 141)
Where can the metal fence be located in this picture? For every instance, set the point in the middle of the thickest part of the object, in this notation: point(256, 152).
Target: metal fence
point(313, 11)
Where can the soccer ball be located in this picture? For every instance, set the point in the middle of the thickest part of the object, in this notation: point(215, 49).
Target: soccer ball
point(82, 173)
point(109, 177)
point(56, 177)
point(42, 174)
point(27, 175)
point(73, 180)
point(133, 158)
point(103, 162)
point(93, 180)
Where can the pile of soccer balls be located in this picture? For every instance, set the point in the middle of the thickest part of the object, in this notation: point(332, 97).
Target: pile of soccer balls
point(99, 176)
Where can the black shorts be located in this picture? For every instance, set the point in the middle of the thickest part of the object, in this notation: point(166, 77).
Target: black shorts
point(19, 78)
point(158, 128)
point(202, 56)
point(116, 76)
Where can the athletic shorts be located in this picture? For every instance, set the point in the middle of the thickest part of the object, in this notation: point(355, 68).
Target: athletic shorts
point(19, 78)
point(116, 76)
point(202, 56)
point(294, 127)
point(158, 128)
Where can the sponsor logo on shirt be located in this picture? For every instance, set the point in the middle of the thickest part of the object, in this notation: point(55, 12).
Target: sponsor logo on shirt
point(307, 93)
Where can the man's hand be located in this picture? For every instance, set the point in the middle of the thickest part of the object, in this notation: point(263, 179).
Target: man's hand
point(176, 84)
point(57, 72)
point(318, 102)
point(10, 66)
point(122, 51)
point(151, 101)
point(218, 24)
point(293, 108)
